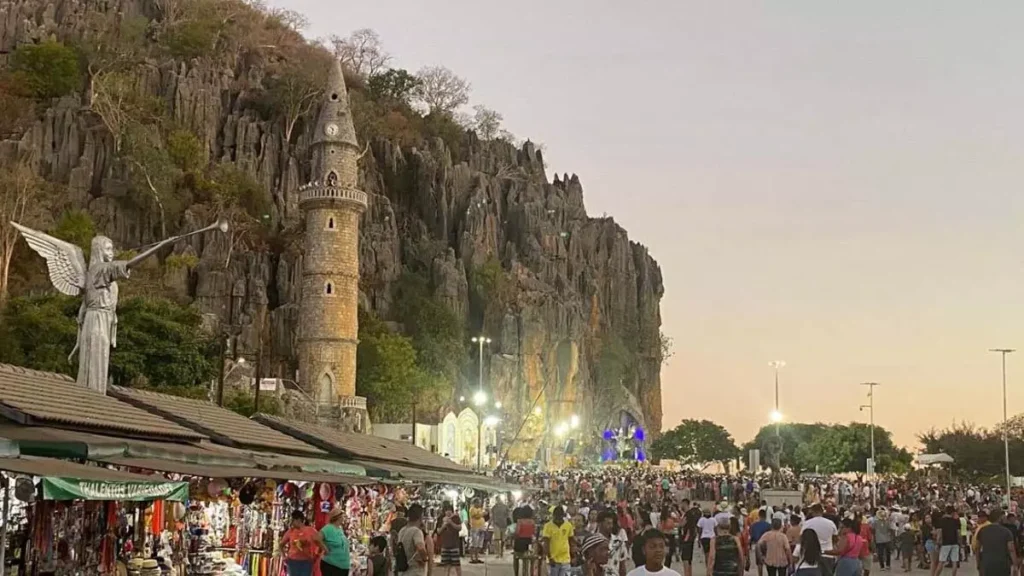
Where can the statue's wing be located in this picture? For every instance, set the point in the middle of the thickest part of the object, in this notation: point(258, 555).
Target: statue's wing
point(64, 260)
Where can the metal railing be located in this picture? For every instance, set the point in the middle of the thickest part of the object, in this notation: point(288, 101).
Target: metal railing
point(317, 192)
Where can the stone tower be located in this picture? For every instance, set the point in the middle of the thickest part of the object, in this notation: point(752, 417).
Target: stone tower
point(328, 314)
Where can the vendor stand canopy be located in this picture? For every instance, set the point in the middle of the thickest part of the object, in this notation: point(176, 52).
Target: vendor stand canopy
point(49, 415)
point(930, 459)
point(385, 458)
point(63, 480)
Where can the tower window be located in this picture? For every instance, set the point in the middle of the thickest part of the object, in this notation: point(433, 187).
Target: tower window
point(325, 388)
point(329, 289)
point(334, 97)
point(332, 178)
point(330, 223)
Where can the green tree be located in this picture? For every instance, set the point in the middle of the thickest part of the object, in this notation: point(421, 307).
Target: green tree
point(24, 198)
point(161, 343)
point(39, 332)
point(392, 86)
point(388, 375)
point(48, 70)
point(232, 195)
point(977, 452)
point(491, 291)
point(244, 403)
point(829, 448)
point(793, 435)
point(696, 443)
point(186, 151)
point(77, 227)
point(293, 87)
point(438, 124)
point(435, 331)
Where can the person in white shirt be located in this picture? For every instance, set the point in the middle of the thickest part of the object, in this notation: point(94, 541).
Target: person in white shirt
point(823, 527)
point(706, 525)
point(654, 556)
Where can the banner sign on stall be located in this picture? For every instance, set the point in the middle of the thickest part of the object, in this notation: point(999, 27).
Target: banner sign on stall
point(77, 489)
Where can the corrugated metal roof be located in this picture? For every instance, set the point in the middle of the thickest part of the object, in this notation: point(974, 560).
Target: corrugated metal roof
point(33, 466)
point(237, 472)
point(363, 446)
point(57, 443)
point(396, 471)
point(34, 398)
point(222, 425)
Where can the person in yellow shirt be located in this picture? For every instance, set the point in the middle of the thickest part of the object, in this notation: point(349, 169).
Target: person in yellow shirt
point(982, 522)
point(559, 543)
point(477, 525)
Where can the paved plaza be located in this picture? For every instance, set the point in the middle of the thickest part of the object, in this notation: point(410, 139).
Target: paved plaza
point(494, 566)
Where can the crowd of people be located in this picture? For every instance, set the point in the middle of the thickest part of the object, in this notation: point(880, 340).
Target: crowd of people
point(646, 522)
point(641, 521)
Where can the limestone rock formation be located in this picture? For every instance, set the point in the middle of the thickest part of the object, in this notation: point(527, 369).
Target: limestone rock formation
point(576, 331)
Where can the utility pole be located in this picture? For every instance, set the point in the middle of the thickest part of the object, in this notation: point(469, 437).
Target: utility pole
point(259, 378)
point(226, 343)
point(871, 417)
point(1006, 440)
point(413, 423)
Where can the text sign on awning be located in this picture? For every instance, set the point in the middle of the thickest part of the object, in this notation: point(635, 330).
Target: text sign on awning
point(76, 489)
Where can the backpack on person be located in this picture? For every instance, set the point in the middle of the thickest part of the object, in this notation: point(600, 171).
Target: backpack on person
point(401, 558)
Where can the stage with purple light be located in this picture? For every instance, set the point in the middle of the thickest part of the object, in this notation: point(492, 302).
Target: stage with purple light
point(623, 444)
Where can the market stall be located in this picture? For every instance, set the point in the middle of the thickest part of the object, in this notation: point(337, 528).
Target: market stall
point(89, 519)
point(237, 515)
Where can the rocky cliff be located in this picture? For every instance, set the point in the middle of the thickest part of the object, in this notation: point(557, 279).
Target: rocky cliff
point(576, 323)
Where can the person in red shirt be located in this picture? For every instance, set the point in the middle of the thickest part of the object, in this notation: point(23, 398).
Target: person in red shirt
point(867, 534)
point(302, 545)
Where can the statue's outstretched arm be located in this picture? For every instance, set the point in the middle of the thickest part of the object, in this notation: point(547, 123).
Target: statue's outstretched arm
point(148, 252)
point(221, 225)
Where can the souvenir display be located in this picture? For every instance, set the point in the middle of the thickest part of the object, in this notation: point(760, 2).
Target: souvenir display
point(222, 528)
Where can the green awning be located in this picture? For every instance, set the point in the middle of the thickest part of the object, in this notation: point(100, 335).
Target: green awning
point(63, 480)
point(119, 490)
point(58, 443)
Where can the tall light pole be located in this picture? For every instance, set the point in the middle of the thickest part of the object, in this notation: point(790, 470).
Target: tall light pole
point(777, 415)
point(480, 341)
point(491, 420)
point(1006, 441)
point(871, 420)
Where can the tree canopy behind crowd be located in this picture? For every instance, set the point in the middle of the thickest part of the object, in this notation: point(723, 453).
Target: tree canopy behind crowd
point(830, 448)
point(978, 452)
point(696, 443)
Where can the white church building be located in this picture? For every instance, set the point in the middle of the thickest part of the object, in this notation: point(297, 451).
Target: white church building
point(455, 437)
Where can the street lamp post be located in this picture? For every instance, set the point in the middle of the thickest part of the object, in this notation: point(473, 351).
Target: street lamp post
point(871, 419)
point(777, 415)
point(480, 341)
point(1006, 441)
point(480, 399)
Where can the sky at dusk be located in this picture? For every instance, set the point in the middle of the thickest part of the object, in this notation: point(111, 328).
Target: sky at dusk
point(836, 185)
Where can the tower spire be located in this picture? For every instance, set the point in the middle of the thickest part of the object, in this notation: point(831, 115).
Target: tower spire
point(335, 123)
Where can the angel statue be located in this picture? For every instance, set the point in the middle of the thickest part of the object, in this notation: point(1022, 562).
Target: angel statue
point(97, 317)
